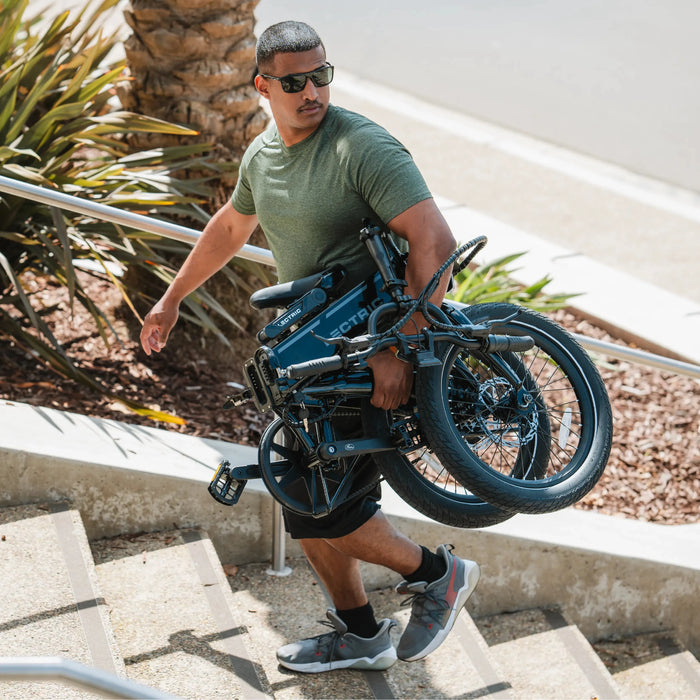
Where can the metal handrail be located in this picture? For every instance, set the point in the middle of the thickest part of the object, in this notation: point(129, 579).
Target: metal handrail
point(261, 255)
point(57, 668)
point(640, 357)
point(118, 216)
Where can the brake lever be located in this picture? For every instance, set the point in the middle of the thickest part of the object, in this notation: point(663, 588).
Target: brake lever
point(347, 345)
point(481, 330)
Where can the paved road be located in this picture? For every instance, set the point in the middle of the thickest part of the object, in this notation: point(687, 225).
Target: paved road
point(615, 79)
point(641, 226)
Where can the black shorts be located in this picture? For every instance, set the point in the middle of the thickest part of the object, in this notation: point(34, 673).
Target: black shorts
point(343, 520)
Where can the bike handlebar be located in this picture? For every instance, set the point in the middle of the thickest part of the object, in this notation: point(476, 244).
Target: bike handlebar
point(317, 366)
point(490, 344)
point(507, 343)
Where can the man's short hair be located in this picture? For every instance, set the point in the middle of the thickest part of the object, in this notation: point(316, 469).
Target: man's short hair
point(285, 37)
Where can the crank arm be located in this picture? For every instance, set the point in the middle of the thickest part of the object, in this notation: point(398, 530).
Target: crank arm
point(340, 449)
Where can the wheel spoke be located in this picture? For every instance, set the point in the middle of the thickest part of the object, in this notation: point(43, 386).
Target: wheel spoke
point(284, 451)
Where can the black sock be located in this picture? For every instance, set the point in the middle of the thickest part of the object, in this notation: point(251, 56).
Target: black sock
point(360, 621)
point(432, 567)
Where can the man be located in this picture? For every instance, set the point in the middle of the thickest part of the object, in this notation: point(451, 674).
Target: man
point(309, 180)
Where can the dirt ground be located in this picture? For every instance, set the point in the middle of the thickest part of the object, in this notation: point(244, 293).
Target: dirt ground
point(653, 473)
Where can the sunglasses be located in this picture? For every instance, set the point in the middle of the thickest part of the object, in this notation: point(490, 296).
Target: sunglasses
point(296, 82)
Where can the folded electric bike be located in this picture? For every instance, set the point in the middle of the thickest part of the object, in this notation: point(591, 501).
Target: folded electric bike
point(508, 413)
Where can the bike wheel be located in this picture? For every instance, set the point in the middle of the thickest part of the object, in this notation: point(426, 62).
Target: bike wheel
point(421, 480)
point(303, 485)
point(525, 447)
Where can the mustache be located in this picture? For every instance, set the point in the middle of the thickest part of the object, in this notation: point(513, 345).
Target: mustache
point(310, 105)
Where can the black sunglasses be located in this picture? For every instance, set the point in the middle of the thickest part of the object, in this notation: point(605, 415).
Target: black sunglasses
point(296, 82)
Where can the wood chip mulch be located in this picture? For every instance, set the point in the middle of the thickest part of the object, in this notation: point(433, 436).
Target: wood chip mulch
point(653, 473)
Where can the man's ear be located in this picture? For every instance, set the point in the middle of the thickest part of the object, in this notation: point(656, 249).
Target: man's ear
point(262, 87)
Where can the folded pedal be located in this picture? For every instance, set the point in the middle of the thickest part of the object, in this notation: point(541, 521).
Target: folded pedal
point(238, 399)
point(224, 487)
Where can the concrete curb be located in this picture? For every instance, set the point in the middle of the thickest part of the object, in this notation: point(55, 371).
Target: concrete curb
point(609, 575)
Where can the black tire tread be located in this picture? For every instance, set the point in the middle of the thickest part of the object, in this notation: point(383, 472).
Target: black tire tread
point(520, 496)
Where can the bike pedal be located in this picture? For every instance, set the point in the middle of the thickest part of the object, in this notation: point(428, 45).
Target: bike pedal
point(238, 399)
point(406, 436)
point(223, 487)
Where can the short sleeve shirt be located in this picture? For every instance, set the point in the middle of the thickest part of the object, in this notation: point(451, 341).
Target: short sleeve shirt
point(312, 197)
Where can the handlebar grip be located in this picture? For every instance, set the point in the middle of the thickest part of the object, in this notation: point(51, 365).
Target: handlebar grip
point(508, 343)
point(310, 367)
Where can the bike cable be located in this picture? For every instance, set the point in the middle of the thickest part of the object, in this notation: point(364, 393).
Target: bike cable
point(421, 302)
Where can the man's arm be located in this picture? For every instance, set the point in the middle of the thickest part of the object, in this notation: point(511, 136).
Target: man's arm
point(222, 238)
point(430, 243)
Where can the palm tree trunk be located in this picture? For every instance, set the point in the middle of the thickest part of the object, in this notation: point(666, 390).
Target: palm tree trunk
point(192, 62)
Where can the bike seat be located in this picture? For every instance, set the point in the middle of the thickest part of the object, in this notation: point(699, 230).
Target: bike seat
point(281, 295)
point(285, 294)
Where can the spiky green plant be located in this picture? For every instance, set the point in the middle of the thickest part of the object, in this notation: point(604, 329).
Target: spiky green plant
point(494, 282)
point(58, 129)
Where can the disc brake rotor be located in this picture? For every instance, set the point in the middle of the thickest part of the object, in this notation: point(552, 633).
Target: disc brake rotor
point(500, 421)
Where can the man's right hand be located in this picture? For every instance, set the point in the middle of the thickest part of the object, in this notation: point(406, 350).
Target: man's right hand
point(224, 235)
point(157, 326)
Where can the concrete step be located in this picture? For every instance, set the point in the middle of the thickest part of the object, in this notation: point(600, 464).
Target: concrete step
point(186, 628)
point(545, 657)
point(279, 610)
point(51, 601)
point(609, 575)
point(528, 654)
point(651, 667)
point(173, 615)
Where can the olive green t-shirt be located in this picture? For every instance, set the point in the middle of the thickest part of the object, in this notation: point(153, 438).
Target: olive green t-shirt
point(311, 198)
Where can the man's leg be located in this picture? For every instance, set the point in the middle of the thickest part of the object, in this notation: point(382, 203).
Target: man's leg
point(339, 573)
point(440, 582)
point(337, 560)
point(359, 641)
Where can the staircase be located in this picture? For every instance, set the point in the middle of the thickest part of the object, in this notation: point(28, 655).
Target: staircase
point(51, 604)
point(159, 609)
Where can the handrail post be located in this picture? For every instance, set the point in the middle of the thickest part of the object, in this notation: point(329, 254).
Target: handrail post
point(278, 568)
point(279, 535)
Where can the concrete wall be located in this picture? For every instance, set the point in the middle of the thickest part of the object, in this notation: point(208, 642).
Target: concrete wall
point(608, 575)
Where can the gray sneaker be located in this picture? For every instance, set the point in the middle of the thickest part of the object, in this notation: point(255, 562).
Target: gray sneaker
point(435, 606)
point(340, 649)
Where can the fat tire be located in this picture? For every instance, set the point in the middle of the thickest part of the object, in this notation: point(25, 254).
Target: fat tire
point(559, 487)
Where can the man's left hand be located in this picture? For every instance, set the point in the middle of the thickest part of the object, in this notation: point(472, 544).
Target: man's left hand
point(393, 380)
